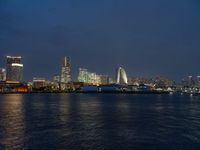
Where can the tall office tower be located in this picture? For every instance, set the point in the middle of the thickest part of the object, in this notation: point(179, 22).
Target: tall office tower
point(66, 71)
point(2, 74)
point(14, 69)
point(65, 76)
point(121, 76)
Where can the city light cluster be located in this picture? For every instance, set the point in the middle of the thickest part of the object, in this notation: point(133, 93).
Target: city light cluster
point(11, 80)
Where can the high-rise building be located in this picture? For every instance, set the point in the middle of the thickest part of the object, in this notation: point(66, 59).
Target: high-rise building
point(14, 69)
point(83, 75)
point(88, 77)
point(2, 74)
point(66, 71)
point(121, 76)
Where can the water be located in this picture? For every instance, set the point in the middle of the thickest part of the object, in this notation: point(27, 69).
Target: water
point(99, 122)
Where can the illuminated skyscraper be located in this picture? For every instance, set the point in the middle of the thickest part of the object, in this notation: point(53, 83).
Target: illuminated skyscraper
point(83, 75)
point(121, 76)
point(14, 69)
point(88, 77)
point(65, 73)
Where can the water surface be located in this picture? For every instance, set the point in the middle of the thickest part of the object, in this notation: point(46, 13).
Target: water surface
point(99, 122)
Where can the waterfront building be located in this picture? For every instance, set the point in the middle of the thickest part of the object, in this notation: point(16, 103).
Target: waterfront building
point(56, 79)
point(163, 82)
point(111, 81)
point(94, 79)
point(2, 74)
point(88, 77)
point(56, 82)
point(39, 83)
point(65, 77)
point(121, 76)
point(14, 69)
point(66, 71)
point(83, 75)
point(104, 79)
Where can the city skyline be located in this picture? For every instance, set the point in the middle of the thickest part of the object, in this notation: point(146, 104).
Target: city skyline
point(159, 38)
point(100, 74)
point(13, 72)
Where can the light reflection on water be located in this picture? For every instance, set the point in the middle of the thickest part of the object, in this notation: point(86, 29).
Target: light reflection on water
point(99, 121)
point(12, 124)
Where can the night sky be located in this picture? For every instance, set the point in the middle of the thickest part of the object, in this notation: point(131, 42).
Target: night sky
point(147, 37)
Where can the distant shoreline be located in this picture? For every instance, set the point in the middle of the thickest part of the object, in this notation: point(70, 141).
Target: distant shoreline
point(93, 92)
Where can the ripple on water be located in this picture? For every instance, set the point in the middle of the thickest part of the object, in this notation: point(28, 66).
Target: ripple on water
point(100, 122)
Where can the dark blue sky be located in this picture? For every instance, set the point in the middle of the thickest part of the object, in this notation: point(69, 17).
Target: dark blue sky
point(146, 37)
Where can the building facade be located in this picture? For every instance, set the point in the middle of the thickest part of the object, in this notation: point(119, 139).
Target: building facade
point(14, 69)
point(65, 76)
point(104, 79)
point(83, 75)
point(121, 76)
point(66, 71)
point(88, 77)
point(39, 83)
